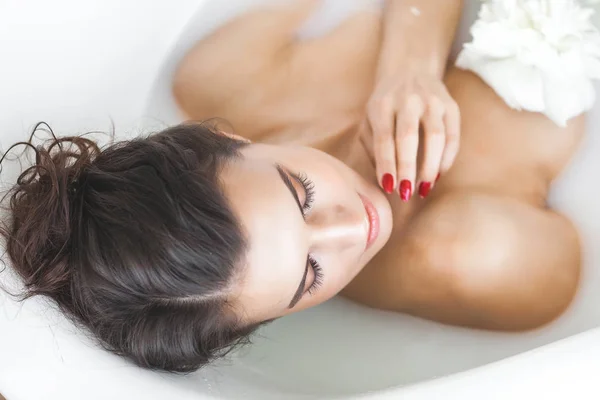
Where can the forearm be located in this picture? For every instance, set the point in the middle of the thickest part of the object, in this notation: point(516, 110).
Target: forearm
point(418, 34)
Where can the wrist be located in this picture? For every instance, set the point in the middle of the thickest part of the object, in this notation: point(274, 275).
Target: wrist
point(416, 43)
point(397, 61)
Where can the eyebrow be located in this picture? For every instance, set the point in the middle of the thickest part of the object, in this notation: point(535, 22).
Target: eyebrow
point(285, 177)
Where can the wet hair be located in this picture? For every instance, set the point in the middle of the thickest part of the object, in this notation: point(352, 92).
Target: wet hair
point(135, 242)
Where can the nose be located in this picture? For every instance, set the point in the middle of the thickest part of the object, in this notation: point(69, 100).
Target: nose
point(337, 228)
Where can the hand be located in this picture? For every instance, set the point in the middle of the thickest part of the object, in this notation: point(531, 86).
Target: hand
point(399, 105)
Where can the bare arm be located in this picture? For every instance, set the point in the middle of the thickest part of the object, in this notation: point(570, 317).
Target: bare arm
point(485, 251)
point(409, 93)
point(218, 69)
point(418, 32)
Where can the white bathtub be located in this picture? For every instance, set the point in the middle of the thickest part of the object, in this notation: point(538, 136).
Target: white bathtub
point(78, 64)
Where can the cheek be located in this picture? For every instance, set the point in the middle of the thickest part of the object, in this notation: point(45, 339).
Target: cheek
point(338, 271)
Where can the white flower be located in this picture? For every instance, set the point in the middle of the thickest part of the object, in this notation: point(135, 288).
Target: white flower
point(538, 55)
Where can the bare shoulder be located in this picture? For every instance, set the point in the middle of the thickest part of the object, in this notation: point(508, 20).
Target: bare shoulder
point(269, 84)
point(481, 261)
point(248, 51)
point(511, 136)
point(470, 91)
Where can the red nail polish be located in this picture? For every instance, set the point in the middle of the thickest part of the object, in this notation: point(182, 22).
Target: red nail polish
point(388, 183)
point(424, 189)
point(405, 190)
point(437, 178)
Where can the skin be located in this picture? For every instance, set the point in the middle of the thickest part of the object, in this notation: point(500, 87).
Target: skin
point(482, 250)
point(409, 91)
point(334, 231)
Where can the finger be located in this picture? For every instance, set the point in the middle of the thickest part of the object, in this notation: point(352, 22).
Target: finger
point(407, 145)
point(381, 118)
point(434, 141)
point(452, 123)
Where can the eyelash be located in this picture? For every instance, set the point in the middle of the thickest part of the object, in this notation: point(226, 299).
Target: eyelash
point(309, 190)
point(318, 281)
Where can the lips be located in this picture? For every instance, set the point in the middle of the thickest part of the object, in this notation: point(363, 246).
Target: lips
point(373, 221)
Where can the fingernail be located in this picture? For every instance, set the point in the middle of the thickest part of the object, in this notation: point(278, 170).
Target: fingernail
point(424, 189)
point(388, 183)
point(405, 190)
point(437, 178)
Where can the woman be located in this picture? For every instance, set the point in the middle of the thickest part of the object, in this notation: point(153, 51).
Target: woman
point(173, 248)
point(481, 250)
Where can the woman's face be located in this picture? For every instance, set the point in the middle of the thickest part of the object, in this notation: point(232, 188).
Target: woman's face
point(312, 224)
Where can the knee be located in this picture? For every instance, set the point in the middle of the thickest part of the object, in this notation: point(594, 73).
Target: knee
point(516, 282)
point(501, 265)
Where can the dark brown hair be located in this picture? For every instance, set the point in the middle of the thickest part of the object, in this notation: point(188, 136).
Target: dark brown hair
point(135, 242)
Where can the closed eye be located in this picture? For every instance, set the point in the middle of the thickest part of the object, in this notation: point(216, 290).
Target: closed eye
point(309, 191)
point(309, 195)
